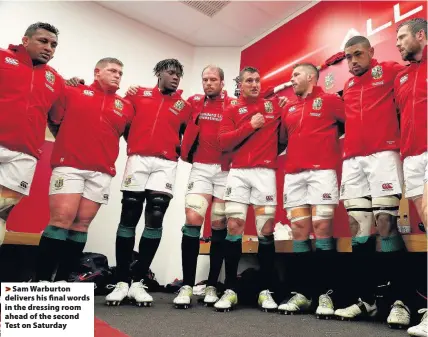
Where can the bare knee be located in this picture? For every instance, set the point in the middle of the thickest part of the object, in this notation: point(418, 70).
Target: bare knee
point(322, 220)
point(61, 218)
point(81, 225)
point(322, 228)
point(235, 226)
point(301, 223)
point(386, 224)
point(193, 218)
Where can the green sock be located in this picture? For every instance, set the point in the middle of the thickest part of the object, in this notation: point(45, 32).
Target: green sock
point(125, 232)
point(56, 233)
point(302, 246)
point(191, 231)
point(80, 237)
point(392, 243)
point(324, 244)
point(233, 238)
point(152, 233)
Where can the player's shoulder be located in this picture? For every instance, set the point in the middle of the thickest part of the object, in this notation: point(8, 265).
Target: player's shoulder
point(329, 97)
point(196, 98)
point(144, 92)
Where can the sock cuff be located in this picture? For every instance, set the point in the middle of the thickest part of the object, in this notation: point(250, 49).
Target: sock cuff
point(391, 244)
point(302, 246)
point(360, 240)
point(233, 238)
point(218, 235)
point(191, 231)
point(152, 233)
point(324, 244)
point(266, 240)
point(125, 232)
point(75, 236)
point(57, 233)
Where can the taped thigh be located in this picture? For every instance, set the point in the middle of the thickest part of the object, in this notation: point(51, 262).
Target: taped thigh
point(218, 211)
point(197, 203)
point(323, 212)
point(236, 210)
point(263, 214)
point(361, 210)
point(298, 213)
point(386, 205)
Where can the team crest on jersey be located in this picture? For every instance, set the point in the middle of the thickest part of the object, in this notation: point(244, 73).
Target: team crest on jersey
point(50, 77)
point(179, 105)
point(317, 104)
point(59, 183)
point(234, 102)
point(268, 106)
point(403, 79)
point(88, 93)
point(329, 81)
point(292, 109)
point(377, 72)
point(351, 83)
point(118, 104)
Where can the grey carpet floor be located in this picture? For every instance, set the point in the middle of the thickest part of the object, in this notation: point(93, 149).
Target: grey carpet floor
point(162, 320)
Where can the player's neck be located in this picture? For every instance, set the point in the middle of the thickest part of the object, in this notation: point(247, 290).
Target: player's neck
point(307, 91)
point(418, 56)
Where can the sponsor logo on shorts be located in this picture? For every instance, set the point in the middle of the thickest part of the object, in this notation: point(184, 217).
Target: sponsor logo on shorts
point(269, 198)
point(403, 79)
point(168, 186)
point(11, 61)
point(228, 191)
point(190, 186)
point(326, 196)
point(387, 187)
point(23, 185)
point(59, 183)
point(105, 197)
point(284, 197)
point(127, 181)
point(342, 189)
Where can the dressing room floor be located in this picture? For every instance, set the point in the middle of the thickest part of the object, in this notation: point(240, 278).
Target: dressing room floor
point(162, 320)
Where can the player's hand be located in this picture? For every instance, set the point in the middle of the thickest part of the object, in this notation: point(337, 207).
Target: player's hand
point(282, 100)
point(132, 90)
point(75, 81)
point(257, 121)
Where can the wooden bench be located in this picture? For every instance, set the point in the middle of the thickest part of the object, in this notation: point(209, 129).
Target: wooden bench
point(414, 243)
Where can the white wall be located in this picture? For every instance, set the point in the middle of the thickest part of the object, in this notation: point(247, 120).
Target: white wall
point(89, 32)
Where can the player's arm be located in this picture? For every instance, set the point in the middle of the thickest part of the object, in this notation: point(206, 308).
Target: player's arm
point(338, 111)
point(132, 114)
point(229, 136)
point(57, 112)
